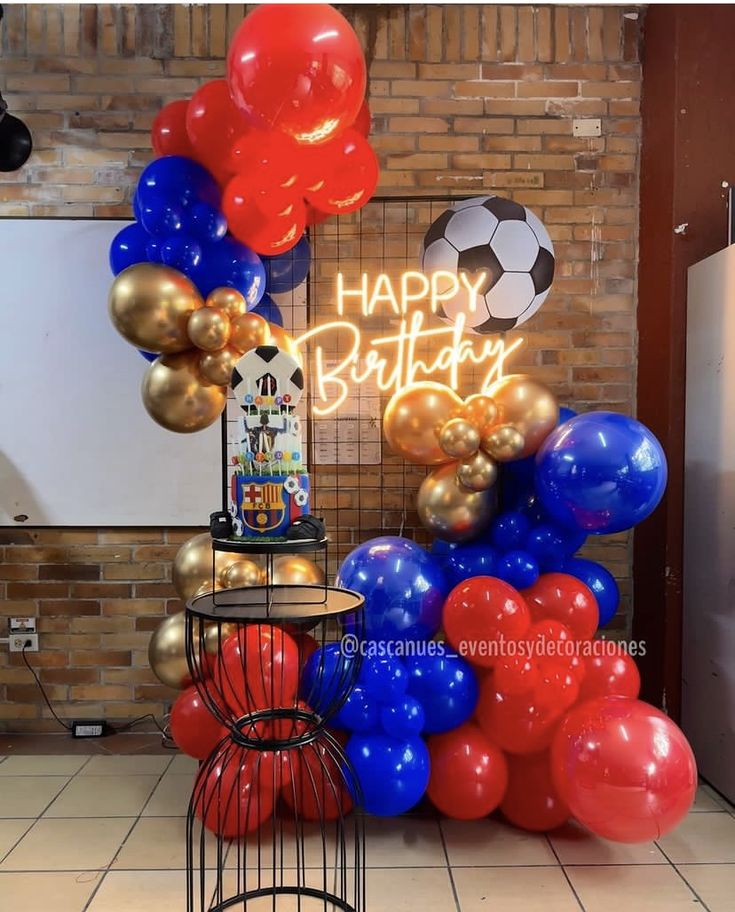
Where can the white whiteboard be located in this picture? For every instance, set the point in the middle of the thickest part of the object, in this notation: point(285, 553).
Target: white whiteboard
point(77, 447)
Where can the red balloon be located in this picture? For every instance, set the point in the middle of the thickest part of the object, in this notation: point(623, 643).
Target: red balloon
point(259, 669)
point(517, 723)
point(318, 790)
point(557, 689)
point(297, 69)
point(348, 178)
point(624, 769)
point(479, 614)
point(193, 727)
point(307, 646)
point(234, 794)
point(314, 216)
point(214, 125)
point(364, 120)
point(469, 774)
point(560, 597)
point(610, 671)
point(266, 160)
point(531, 801)
point(269, 223)
point(516, 674)
point(168, 134)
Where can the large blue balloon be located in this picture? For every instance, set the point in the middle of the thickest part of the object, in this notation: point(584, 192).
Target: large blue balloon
point(565, 414)
point(601, 472)
point(404, 588)
point(518, 568)
point(269, 310)
point(509, 530)
point(446, 687)
point(229, 264)
point(287, 270)
point(393, 774)
point(359, 713)
point(168, 189)
point(466, 560)
point(327, 678)
point(550, 543)
point(383, 677)
point(128, 247)
point(403, 719)
point(600, 581)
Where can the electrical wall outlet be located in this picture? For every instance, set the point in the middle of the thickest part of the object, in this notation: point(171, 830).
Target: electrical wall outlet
point(18, 640)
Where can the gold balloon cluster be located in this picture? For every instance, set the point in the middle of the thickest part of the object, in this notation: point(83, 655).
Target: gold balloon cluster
point(198, 570)
point(198, 342)
point(428, 424)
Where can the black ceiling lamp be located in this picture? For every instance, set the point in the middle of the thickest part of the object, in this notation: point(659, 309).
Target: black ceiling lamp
point(16, 143)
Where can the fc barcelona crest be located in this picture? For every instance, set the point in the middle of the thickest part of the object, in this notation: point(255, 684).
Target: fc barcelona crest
point(263, 508)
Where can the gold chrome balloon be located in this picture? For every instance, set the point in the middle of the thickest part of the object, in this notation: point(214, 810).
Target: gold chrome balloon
point(459, 439)
point(249, 331)
point(451, 511)
point(193, 569)
point(228, 299)
point(295, 570)
point(209, 328)
point(241, 573)
point(280, 338)
point(503, 442)
point(215, 635)
point(478, 473)
point(479, 410)
point(529, 406)
point(177, 396)
point(413, 418)
point(217, 366)
point(167, 652)
point(150, 306)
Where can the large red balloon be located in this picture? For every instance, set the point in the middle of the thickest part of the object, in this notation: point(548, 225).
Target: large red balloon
point(234, 794)
point(531, 801)
point(259, 669)
point(479, 614)
point(269, 222)
point(624, 769)
point(364, 120)
point(193, 727)
point(168, 134)
point(348, 177)
point(609, 671)
point(266, 160)
point(317, 790)
point(297, 69)
point(214, 125)
point(469, 774)
point(560, 597)
point(517, 723)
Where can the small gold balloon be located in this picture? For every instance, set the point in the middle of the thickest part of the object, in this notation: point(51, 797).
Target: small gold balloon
point(503, 442)
point(215, 635)
point(150, 305)
point(177, 396)
point(478, 473)
point(167, 652)
point(295, 570)
point(529, 406)
point(280, 338)
point(414, 416)
point(459, 439)
point(194, 570)
point(242, 573)
point(217, 366)
point(249, 331)
point(479, 410)
point(209, 328)
point(228, 299)
point(448, 510)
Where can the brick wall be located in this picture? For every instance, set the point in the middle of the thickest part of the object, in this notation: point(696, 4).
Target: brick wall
point(465, 99)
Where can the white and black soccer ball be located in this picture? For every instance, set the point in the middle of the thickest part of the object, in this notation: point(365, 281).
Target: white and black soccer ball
point(267, 375)
point(505, 240)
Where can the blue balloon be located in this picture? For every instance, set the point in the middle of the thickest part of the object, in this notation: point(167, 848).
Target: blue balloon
point(359, 713)
point(516, 482)
point(403, 719)
point(549, 543)
point(383, 677)
point(393, 774)
point(287, 270)
point(168, 190)
point(565, 414)
point(601, 472)
point(181, 252)
point(468, 560)
point(518, 568)
point(509, 530)
point(128, 247)
point(206, 223)
point(600, 581)
point(446, 686)
point(403, 585)
point(269, 310)
point(153, 249)
point(230, 264)
point(149, 356)
point(327, 678)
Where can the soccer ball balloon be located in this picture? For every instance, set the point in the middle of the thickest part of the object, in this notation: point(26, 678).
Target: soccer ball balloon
point(504, 240)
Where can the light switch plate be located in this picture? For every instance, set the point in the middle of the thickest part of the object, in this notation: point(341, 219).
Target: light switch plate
point(587, 126)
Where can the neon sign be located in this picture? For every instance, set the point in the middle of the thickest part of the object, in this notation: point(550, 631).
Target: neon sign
point(394, 361)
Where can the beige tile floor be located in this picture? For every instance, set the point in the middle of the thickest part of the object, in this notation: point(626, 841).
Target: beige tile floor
point(105, 833)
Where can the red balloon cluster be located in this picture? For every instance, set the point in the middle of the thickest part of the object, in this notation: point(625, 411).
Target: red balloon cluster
point(558, 731)
point(285, 134)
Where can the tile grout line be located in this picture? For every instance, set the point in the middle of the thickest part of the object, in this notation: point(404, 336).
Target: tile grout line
point(450, 872)
point(565, 873)
point(106, 870)
point(690, 887)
